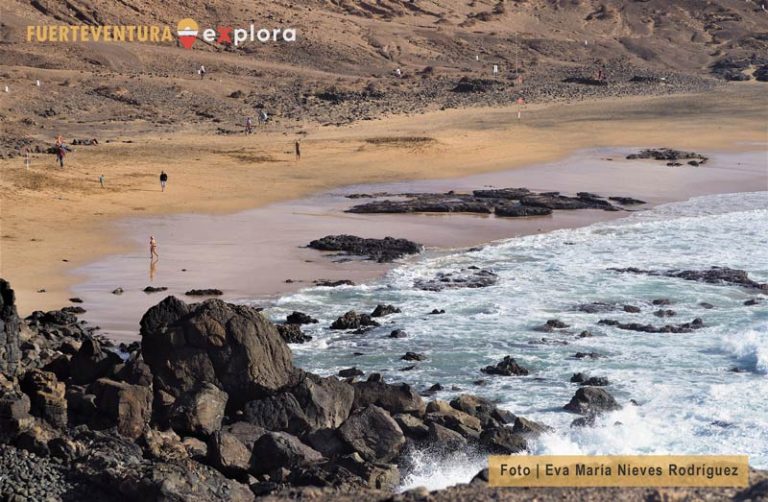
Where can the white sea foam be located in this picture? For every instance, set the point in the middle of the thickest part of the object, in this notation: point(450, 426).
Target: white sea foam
point(690, 400)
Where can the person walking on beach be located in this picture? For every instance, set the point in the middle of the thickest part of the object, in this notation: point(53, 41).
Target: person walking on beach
point(163, 180)
point(298, 150)
point(248, 125)
point(153, 247)
point(101, 180)
point(201, 71)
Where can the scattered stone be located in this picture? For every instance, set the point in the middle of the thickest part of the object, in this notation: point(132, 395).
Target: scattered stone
point(384, 310)
point(300, 318)
point(353, 320)
point(350, 372)
point(413, 356)
point(333, 284)
point(666, 154)
point(292, 333)
point(591, 401)
point(204, 292)
point(552, 325)
point(398, 333)
point(465, 278)
point(507, 367)
point(153, 289)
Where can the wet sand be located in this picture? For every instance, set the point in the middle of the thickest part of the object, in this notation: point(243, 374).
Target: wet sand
point(55, 221)
point(251, 254)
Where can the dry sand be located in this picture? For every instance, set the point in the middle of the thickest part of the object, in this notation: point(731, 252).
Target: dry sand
point(49, 216)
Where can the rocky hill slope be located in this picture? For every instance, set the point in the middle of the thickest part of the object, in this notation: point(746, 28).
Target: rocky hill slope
point(342, 66)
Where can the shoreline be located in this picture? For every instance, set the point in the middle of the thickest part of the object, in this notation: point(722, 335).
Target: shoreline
point(465, 141)
point(280, 232)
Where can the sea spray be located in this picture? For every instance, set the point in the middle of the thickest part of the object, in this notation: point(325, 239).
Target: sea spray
point(688, 398)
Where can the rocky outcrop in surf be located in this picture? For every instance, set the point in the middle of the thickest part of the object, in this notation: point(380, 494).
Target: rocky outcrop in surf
point(714, 275)
point(504, 202)
point(382, 250)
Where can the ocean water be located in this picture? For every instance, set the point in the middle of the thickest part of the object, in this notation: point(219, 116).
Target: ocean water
point(690, 400)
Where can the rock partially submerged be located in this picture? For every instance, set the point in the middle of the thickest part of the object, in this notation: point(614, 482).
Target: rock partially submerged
point(504, 202)
point(686, 327)
point(506, 367)
point(592, 401)
point(382, 250)
point(472, 277)
point(204, 292)
point(667, 154)
point(713, 275)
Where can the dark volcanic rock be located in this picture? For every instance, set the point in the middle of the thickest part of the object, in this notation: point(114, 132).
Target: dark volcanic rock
point(666, 154)
point(627, 201)
point(353, 320)
point(466, 278)
point(384, 310)
point(333, 284)
point(565, 202)
point(503, 441)
point(502, 193)
point(9, 330)
point(153, 289)
point(591, 401)
point(204, 292)
point(649, 328)
point(713, 275)
point(487, 412)
point(230, 346)
point(299, 318)
point(126, 406)
point(529, 427)
point(413, 356)
point(398, 333)
point(350, 372)
point(395, 398)
point(520, 210)
point(381, 250)
point(507, 367)
point(551, 325)
point(292, 333)
point(374, 434)
point(47, 397)
point(275, 450)
point(199, 411)
point(92, 362)
point(315, 403)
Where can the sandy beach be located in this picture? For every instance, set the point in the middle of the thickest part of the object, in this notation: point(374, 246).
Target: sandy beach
point(55, 222)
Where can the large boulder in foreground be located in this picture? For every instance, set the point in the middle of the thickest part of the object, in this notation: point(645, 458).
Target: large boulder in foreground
point(230, 346)
point(374, 434)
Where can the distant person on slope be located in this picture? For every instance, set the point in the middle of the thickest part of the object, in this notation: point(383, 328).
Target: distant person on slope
point(201, 71)
point(298, 150)
point(61, 151)
point(163, 180)
point(248, 125)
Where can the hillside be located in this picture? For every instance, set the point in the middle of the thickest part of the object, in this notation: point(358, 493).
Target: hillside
point(342, 67)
